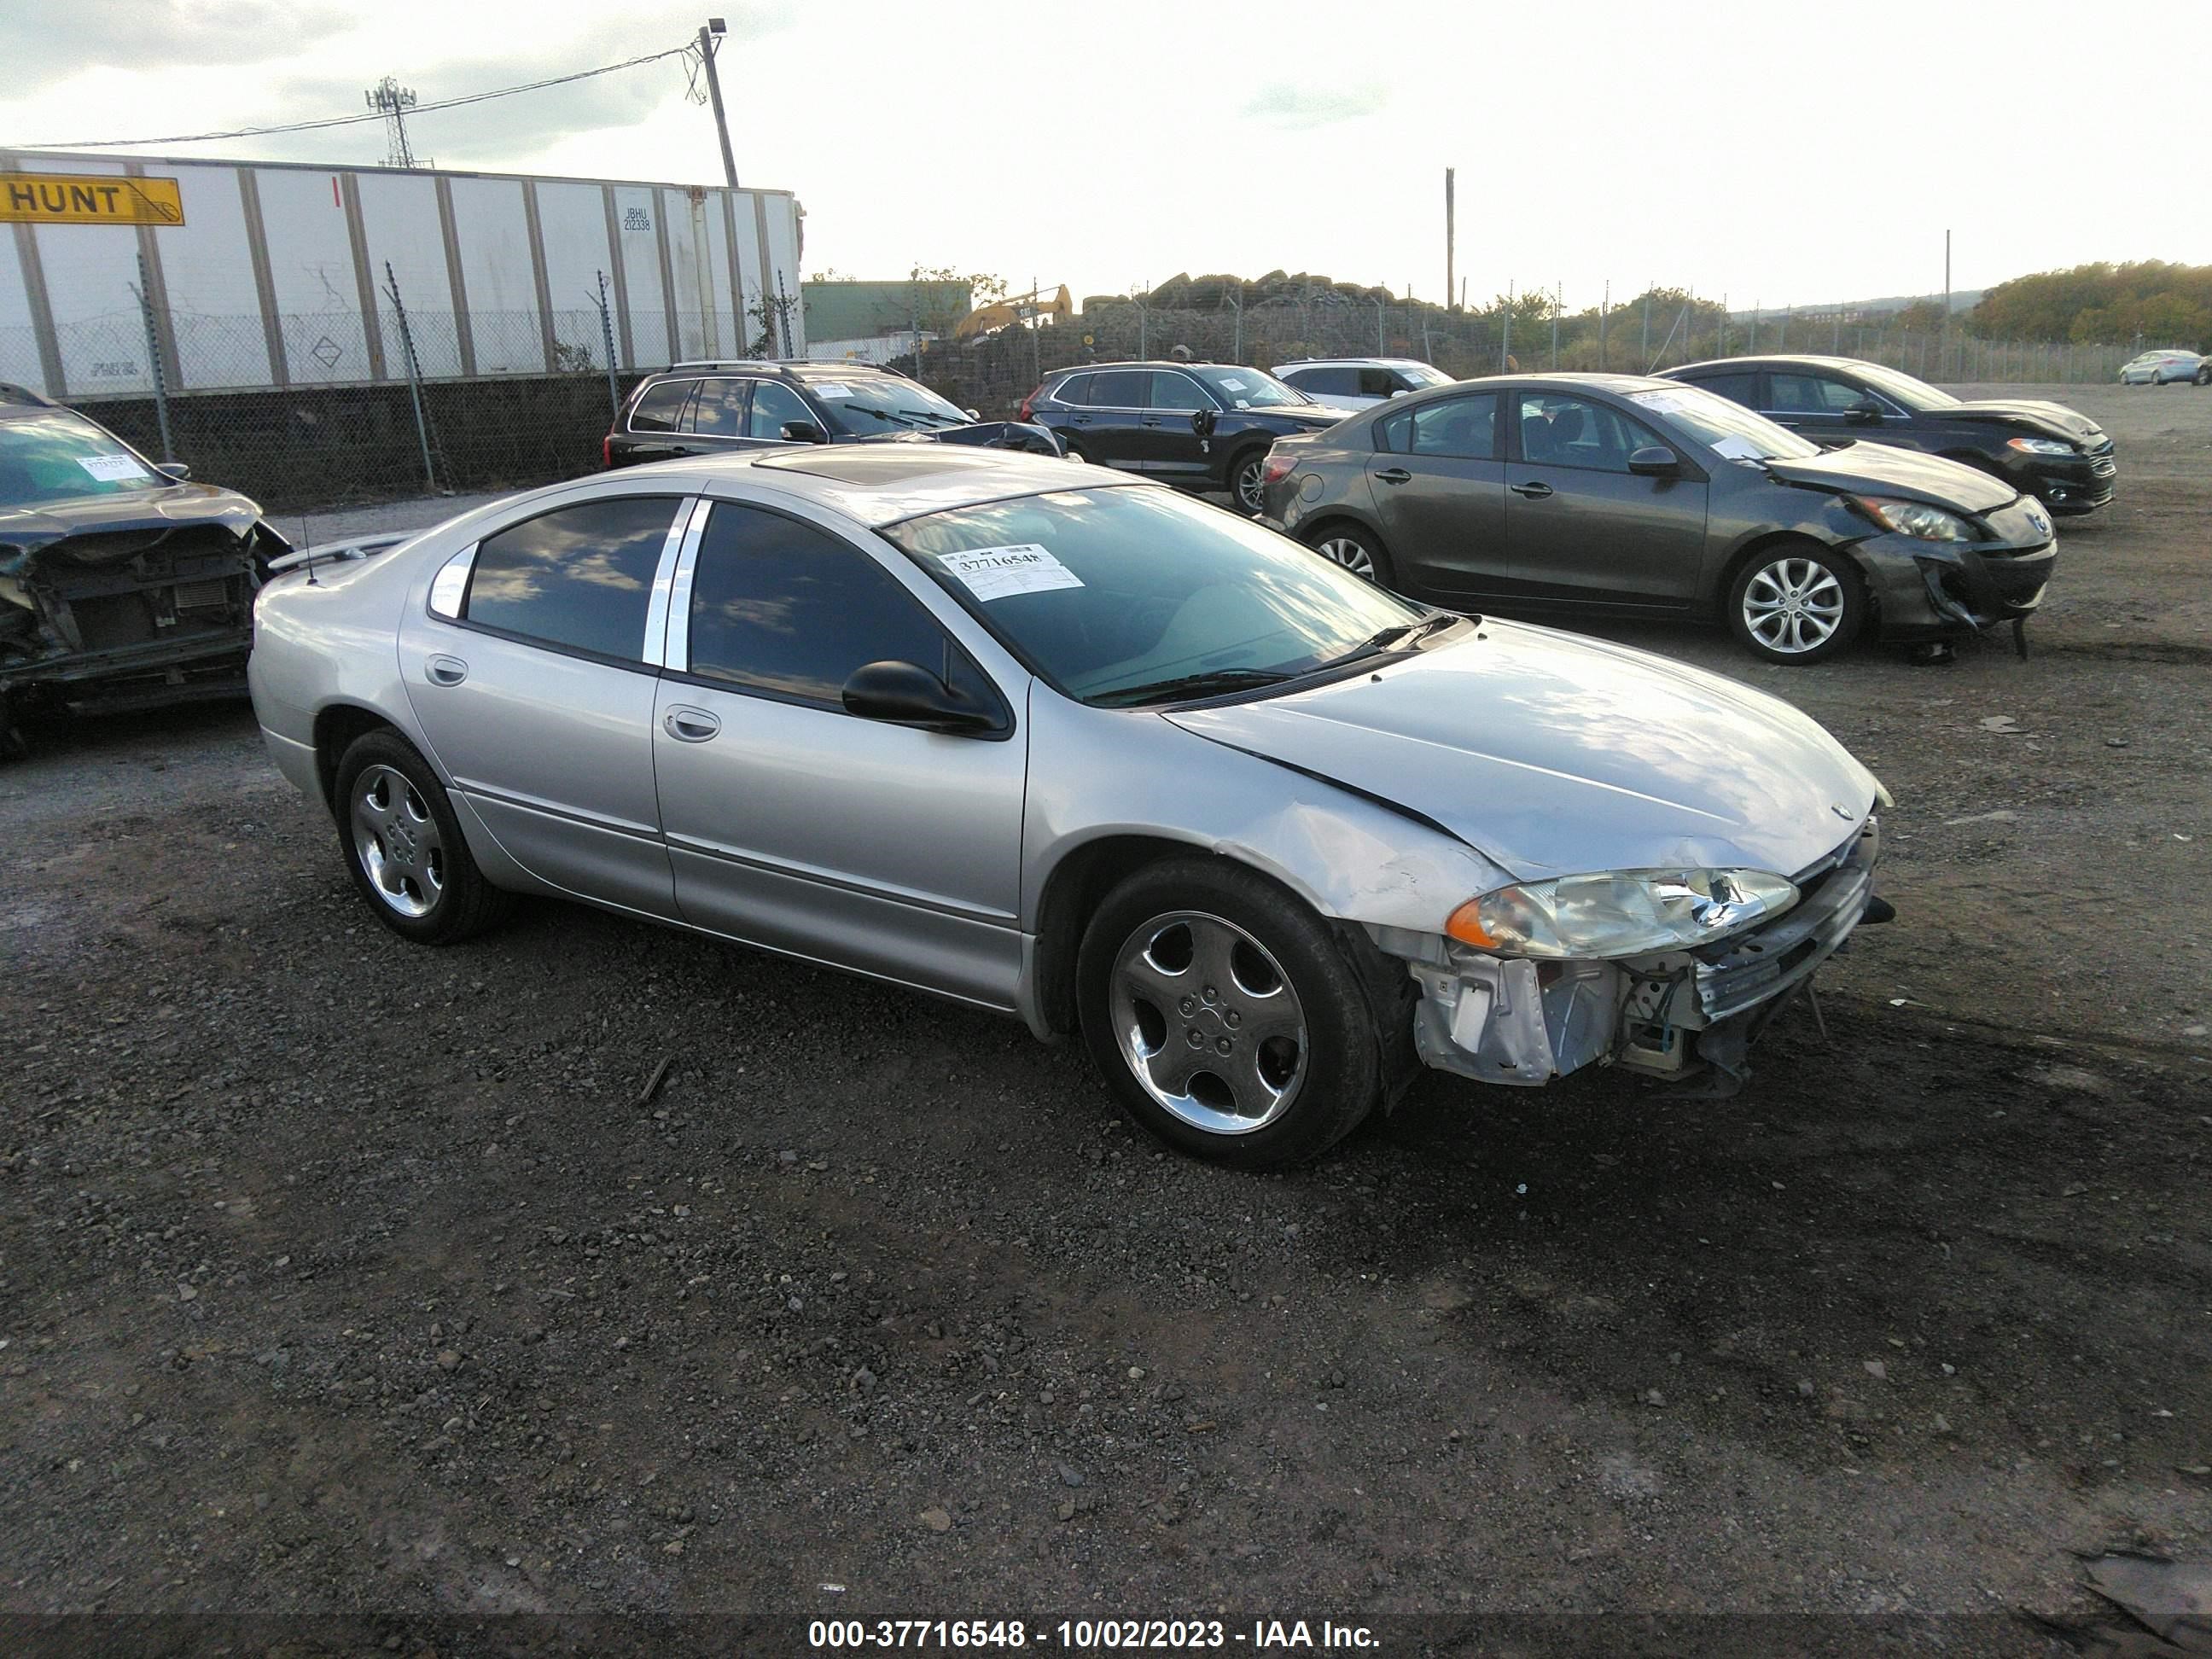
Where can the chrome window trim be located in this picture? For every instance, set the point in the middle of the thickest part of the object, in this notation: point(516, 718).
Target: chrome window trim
point(676, 614)
point(664, 580)
point(451, 585)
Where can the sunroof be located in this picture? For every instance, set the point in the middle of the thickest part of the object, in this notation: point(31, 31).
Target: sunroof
point(870, 464)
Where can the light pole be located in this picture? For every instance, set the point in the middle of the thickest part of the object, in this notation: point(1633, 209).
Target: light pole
point(710, 40)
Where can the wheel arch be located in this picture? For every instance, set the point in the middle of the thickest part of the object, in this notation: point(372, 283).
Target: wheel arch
point(336, 726)
point(1768, 540)
point(1070, 894)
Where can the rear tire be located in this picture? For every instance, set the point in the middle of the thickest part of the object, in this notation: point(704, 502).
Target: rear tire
point(1355, 548)
point(1225, 1017)
point(1796, 602)
point(402, 845)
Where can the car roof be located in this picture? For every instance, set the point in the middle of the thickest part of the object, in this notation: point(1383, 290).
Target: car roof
point(1353, 363)
point(1148, 363)
point(1767, 360)
point(16, 401)
point(793, 367)
point(881, 483)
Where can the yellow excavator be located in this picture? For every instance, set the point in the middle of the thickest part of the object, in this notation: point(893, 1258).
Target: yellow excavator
point(1036, 306)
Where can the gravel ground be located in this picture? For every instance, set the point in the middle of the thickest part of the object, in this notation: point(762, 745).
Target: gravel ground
point(345, 1278)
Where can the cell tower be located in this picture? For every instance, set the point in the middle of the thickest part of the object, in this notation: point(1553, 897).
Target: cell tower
point(395, 100)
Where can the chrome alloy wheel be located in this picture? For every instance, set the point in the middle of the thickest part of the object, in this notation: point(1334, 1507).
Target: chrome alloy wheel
point(397, 842)
point(1208, 1023)
point(1793, 605)
point(1251, 483)
point(1348, 553)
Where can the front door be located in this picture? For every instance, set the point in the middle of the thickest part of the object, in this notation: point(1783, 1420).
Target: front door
point(1169, 445)
point(1580, 527)
point(1829, 410)
point(535, 686)
point(797, 826)
point(1439, 488)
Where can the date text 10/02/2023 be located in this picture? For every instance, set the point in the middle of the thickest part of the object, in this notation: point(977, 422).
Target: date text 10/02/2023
point(1086, 1635)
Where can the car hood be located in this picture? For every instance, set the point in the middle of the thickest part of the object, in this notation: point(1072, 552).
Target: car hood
point(171, 507)
point(2054, 420)
point(1552, 754)
point(1879, 470)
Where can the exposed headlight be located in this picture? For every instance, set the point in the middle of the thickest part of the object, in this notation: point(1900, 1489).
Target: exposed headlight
point(1620, 913)
point(1929, 524)
point(2040, 445)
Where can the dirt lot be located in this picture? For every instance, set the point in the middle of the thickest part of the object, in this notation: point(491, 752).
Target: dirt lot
point(346, 1278)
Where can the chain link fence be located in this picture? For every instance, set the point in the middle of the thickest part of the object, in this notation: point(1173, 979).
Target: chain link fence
point(410, 402)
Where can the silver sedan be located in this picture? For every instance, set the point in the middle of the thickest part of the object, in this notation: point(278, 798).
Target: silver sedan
point(1078, 749)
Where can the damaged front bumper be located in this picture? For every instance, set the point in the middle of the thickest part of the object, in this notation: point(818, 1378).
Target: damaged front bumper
point(1510, 1020)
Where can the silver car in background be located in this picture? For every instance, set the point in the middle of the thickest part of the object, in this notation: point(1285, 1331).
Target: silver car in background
point(1078, 750)
point(1351, 384)
point(2174, 366)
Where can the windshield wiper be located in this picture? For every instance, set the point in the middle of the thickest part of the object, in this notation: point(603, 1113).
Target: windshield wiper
point(1395, 637)
point(1205, 682)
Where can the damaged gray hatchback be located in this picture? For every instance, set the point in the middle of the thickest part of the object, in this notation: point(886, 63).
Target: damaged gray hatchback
point(1076, 749)
point(122, 586)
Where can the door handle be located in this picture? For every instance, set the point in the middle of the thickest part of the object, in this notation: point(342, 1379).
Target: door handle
point(1150, 420)
point(691, 725)
point(1532, 490)
point(1394, 475)
point(446, 670)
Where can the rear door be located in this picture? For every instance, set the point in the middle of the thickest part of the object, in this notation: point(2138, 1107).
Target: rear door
point(1439, 487)
point(652, 428)
point(532, 673)
point(1110, 428)
point(714, 422)
point(1580, 527)
point(797, 826)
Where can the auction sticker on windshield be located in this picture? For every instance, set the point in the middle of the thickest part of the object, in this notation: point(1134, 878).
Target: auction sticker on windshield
point(1659, 402)
point(111, 468)
point(999, 573)
point(831, 389)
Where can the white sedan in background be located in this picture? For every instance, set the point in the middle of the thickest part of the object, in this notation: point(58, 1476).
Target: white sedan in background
point(2166, 368)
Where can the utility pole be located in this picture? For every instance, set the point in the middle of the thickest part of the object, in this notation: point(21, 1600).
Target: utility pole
point(1557, 290)
point(1451, 241)
point(710, 40)
point(1943, 353)
point(1604, 305)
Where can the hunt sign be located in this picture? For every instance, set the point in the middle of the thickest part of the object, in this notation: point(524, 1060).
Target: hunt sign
point(73, 199)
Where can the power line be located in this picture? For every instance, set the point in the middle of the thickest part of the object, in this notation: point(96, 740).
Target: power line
point(378, 115)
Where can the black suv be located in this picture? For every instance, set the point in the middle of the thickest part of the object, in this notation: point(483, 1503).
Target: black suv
point(1200, 426)
point(710, 408)
point(2045, 450)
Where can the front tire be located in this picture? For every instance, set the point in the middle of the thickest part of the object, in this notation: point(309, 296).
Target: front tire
point(1247, 483)
point(402, 845)
point(1224, 1016)
point(1796, 603)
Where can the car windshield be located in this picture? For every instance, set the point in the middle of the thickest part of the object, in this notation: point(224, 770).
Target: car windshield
point(883, 402)
point(1729, 430)
point(1916, 395)
point(1124, 595)
point(1249, 388)
point(56, 456)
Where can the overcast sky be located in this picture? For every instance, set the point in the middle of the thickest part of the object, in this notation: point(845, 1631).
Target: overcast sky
point(1791, 152)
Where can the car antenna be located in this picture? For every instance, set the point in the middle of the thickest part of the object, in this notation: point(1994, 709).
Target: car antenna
point(307, 540)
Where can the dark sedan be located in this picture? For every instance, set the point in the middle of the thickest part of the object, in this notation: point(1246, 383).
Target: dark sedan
point(122, 586)
point(2041, 449)
point(1198, 426)
point(720, 408)
point(1620, 495)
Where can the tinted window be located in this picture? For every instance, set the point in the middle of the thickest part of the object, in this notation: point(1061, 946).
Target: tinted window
point(1557, 431)
point(1736, 388)
point(577, 576)
point(1377, 382)
point(1120, 388)
point(1075, 389)
point(662, 406)
point(1463, 426)
point(720, 411)
point(1172, 391)
point(782, 607)
point(1325, 382)
point(1810, 394)
point(774, 404)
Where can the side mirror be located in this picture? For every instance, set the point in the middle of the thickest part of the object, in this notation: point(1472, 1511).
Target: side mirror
point(1865, 412)
point(1201, 423)
point(804, 432)
point(1654, 461)
point(907, 694)
point(176, 470)
point(973, 413)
